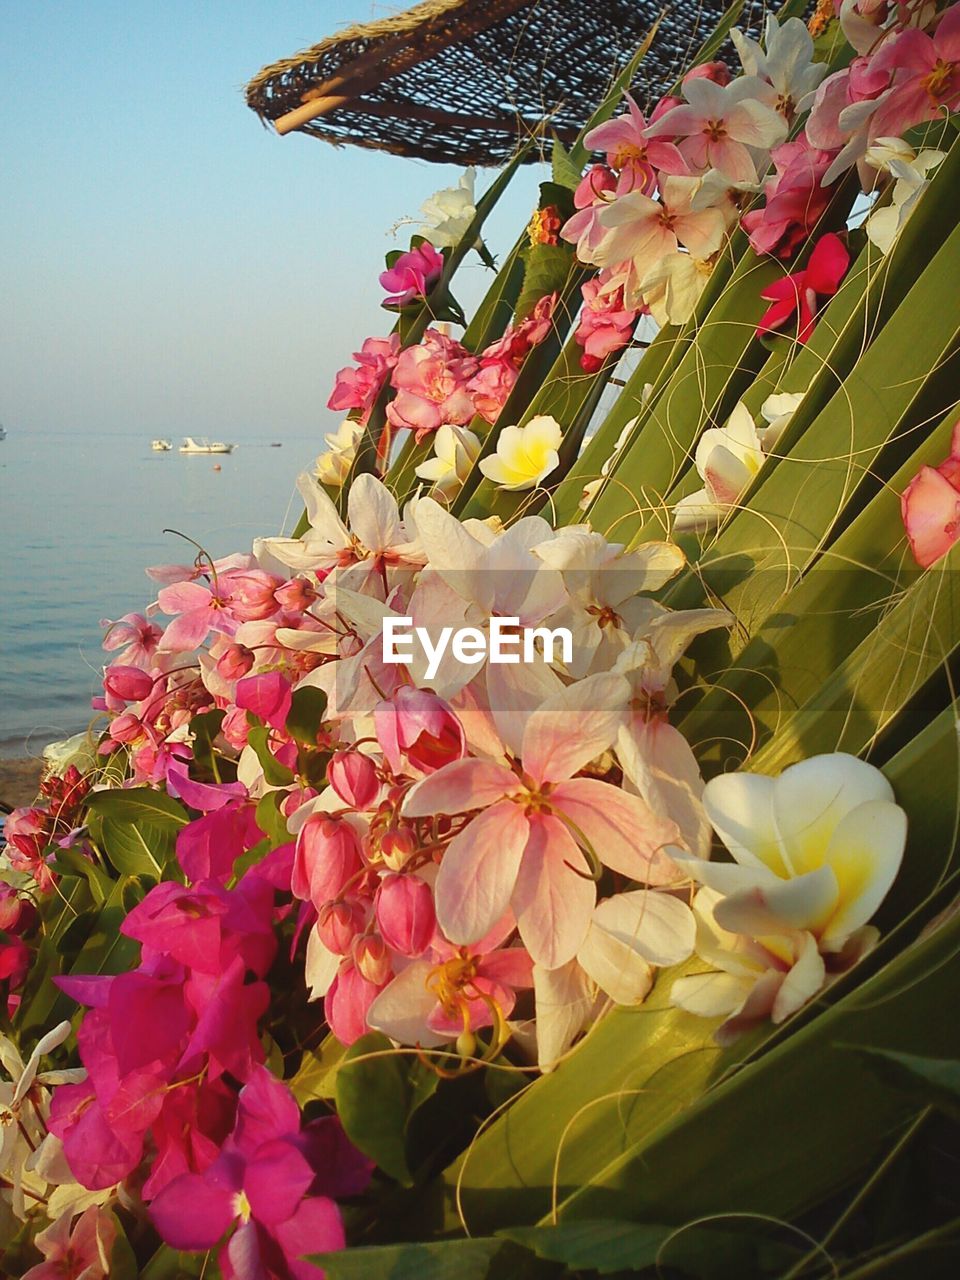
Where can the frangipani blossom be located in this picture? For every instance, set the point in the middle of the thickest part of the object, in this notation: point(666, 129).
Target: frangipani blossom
point(728, 459)
point(525, 455)
point(719, 124)
point(640, 231)
point(523, 851)
point(455, 450)
point(910, 173)
point(816, 849)
point(333, 465)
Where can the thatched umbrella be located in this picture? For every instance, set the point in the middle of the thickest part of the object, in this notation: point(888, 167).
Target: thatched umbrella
point(461, 81)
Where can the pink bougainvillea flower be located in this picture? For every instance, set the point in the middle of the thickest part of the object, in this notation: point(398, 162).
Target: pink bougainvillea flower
point(412, 275)
point(208, 847)
point(719, 124)
point(453, 989)
point(931, 507)
point(261, 1186)
point(795, 199)
point(431, 384)
point(523, 851)
point(76, 1250)
point(358, 388)
point(926, 76)
point(800, 293)
point(268, 696)
point(632, 151)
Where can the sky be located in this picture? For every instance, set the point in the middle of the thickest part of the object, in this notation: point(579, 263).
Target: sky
point(168, 264)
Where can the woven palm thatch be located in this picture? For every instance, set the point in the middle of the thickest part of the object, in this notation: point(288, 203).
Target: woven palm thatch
point(461, 81)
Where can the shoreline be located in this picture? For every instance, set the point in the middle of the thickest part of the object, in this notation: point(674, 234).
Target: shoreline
point(19, 779)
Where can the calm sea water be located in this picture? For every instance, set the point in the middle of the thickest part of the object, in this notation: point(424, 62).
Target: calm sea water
point(80, 517)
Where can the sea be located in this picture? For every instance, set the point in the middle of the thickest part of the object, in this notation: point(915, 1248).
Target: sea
point(81, 516)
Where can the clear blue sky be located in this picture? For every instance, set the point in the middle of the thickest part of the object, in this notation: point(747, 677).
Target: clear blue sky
point(169, 265)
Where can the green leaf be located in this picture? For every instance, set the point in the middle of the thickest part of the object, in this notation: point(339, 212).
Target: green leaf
point(930, 1082)
point(138, 848)
point(139, 803)
point(436, 1260)
point(608, 1246)
point(276, 774)
point(377, 1090)
point(316, 1076)
point(307, 709)
point(270, 818)
point(204, 729)
point(71, 862)
point(565, 173)
point(547, 269)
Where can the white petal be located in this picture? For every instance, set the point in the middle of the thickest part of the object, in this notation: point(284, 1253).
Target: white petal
point(865, 855)
point(711, 995)
point(321, 966)
point(803, 903)
point(401, 1009)
point(802, 982)
point(565, 1003)
point(740, 806)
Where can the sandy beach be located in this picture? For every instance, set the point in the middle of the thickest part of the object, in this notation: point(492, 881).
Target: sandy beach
point(19, 780)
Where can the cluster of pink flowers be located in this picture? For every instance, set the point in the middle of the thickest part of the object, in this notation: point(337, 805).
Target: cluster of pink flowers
point(30, 832)
point(500, 363)
point(356, 389)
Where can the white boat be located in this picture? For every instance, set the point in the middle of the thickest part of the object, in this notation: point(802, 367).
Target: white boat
point(192, 445)
point(161, 446)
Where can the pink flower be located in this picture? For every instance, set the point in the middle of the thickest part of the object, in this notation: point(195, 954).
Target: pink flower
point(327, 859)
point(605, 324)
point(358, 388)
point(454, 989)
point(201, 610)
point(81, 1251)
point(926, 76)
point(251, 593)
point(717, 71)
point(208, 847)
point(930, 507)
point(140, 637)
point(431, 384)
point(490, 387)
point(523, 851)
point(595, 189)
point(800, 293)
point(347, 1001)
point(353, 777)
point(405, 915)
point(795, 199)
point(630, 150)
point(717, 126)
point(500, 363)
point(421, 726)
point(412, 275)
point(268, 696)
point(261, 1186)
point(126, 684)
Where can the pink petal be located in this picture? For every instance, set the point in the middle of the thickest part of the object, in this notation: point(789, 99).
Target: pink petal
point(573, 727)
point(552, 901)
point(316, 1227)
point(931, 515)
point(460, 787)
point(186, 632)
point(625, 834)
point(479, 871)
point(184, 597)
point(191, 1212)
point(827, 266)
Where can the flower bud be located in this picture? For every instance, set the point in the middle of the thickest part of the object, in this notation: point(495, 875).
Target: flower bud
point(717, 71)
point(234, 662)
point(405, 914)
point(250, 593)
point(372, 959)
point(296, 596)
point(347, 1002)
point(327, 857)
point(128, 684)
point(353, 777)
point(338, 923)
point(397, 844)
point(126, 728)
point(420, 725)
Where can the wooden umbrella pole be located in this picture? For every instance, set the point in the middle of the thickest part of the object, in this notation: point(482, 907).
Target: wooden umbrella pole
point(401, 53)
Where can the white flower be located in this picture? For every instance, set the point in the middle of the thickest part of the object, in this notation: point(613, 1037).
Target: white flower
point(455, 450)
point(672, 288)
point(727, 458)
point(884, 225)
point(448, 213)
point(525, 455)
point(78, 750)
point(785, 63)
point(333, 466)
point(777, 410)
point(592, 487)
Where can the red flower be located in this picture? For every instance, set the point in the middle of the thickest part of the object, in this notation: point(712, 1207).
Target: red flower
point(801, 292)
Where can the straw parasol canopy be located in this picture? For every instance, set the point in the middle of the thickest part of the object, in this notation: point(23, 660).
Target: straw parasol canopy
point(462, 81)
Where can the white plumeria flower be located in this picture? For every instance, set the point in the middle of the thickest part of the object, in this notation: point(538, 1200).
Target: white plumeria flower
point(448, 213)
point(749, 982)
point(816, 849)
point(455, 450)
point(333, 465)
point(884, 225)
point(525, 455)
point(629, 935)
point(727, 458)
point(777, 410)
point(672, 288)
point(785, 63)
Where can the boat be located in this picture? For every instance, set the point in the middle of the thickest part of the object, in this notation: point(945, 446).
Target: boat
point(161, 446)
point(3, 432)
point(192, 445)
